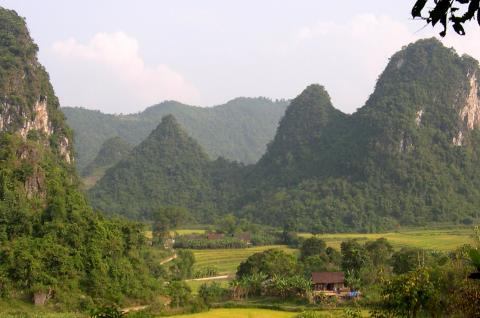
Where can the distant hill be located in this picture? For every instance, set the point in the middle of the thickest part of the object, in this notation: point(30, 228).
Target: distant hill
point(410, 156)
point(167, 168)
point(111, 152)
point(238, 130)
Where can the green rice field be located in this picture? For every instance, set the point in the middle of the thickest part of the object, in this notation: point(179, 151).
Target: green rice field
point(227, 260)
point(433, 239)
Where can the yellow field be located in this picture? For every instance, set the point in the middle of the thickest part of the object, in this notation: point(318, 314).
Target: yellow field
point(262, 313)
point(240, 313)
point(437, 239)
point(227, 260)
point(189, 231)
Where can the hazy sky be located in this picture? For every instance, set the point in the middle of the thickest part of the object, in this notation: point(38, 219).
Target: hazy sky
point(122, 56)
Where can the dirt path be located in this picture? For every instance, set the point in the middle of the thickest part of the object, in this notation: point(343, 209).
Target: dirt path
point(165, 261)
point(209, 278)
point(135, 308)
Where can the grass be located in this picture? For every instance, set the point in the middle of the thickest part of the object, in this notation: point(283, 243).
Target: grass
point(433, 239)
point(20, 309)
point(227, 260)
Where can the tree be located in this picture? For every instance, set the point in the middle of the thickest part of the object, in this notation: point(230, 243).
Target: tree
point(311, 247)
point(407, 259)
point(165, 219)
point(179, 293)
point(380, 251)
point(270, 262)
point(227, 224)
point(456, 12)
point(406, 295)
point(354, 256)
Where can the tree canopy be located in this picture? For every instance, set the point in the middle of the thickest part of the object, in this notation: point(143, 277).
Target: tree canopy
point(446, 12)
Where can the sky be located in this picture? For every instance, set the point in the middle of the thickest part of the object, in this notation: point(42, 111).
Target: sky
point(122, 56)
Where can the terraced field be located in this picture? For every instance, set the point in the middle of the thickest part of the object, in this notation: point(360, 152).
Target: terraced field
point(227, 260)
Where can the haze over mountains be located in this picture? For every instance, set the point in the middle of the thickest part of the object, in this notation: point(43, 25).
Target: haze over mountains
point(238, 130)
point(409, 156)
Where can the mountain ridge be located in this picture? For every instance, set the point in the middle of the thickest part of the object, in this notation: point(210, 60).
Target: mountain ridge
point(408, 157)
point(238, 130)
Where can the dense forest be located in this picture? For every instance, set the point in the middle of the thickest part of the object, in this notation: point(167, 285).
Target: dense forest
point(238, 130)
point(112, 151)
point(408, 157)
point(52, 245)
point(167, 168)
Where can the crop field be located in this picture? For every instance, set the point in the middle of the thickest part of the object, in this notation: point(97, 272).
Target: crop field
point(227, 260)
point(189, 231)
point(240, 313)
point(262, 313)
point(434, 239)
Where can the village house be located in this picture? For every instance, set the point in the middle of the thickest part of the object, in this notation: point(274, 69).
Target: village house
point(215, 236)
point(328, 281)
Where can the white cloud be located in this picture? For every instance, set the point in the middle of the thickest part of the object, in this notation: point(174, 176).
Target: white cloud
point(109, 70)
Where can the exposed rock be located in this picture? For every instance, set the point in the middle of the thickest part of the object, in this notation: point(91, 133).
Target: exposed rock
point(40, 298)
point(40, 122)
point(469, 113)
point(418, 118)
point(34, 185)
point(65, 149)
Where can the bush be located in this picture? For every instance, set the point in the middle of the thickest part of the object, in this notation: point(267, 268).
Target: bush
point(107, 312)
point(212, 293)
point(208, 271)
point(203, 243)
point(311, 314)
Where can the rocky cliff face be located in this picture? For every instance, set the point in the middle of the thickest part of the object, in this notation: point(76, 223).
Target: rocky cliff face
point(30, 118)
point(469, 115)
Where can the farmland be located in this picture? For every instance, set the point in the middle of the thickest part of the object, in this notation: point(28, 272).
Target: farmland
point(445, 239)
point(227, 260)
point(261, 313)
point(241, 313)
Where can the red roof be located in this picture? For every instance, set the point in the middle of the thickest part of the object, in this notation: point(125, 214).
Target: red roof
point(215, 236)
point(328, 277)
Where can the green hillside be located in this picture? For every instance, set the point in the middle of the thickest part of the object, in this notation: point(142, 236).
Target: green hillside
point(167, 168)
point(409, 156)
point(238, 130)
point(111, 152)
point(53, 247)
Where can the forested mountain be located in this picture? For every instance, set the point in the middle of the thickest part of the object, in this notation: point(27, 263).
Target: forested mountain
point(111, 152)
point(51, 242)
point(238, 130)
point(167, 168)
point(410, 156)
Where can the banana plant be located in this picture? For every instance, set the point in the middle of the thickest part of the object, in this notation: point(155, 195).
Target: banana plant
point(475, 259)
